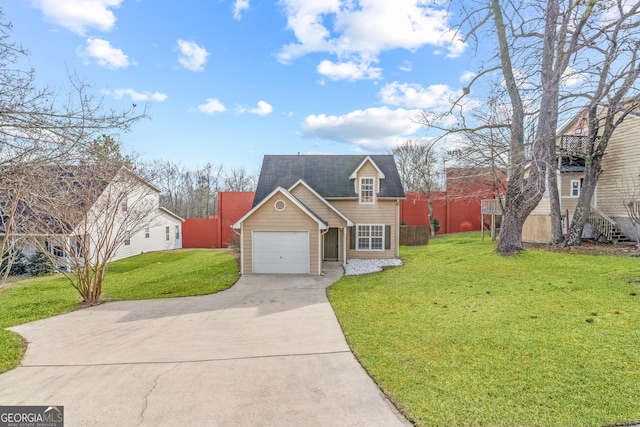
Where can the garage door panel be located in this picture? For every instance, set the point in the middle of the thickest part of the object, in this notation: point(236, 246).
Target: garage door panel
point(284, 252)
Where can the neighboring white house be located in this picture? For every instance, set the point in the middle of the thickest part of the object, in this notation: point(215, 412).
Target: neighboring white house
point(162, 233)
point(128, 202)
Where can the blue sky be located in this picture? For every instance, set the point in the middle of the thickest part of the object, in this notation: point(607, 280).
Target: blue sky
point(228, 81)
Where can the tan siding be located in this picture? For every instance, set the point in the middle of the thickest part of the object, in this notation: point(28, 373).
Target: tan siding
point(537, 228)
point(382, 212)
point(267, 218)
point(620, 165)
point(566, 201)
point(368, 171)
point(320, 208)
point(543, 208)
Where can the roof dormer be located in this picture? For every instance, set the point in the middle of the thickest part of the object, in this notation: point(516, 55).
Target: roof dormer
point(367, 178)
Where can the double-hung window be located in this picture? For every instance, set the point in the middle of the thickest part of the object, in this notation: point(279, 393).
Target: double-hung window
point(366, 190)
point(576, 185)
point(370, 237)
point(167, 233)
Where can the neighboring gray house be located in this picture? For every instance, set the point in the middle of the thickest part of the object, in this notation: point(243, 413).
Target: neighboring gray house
point(313, 208)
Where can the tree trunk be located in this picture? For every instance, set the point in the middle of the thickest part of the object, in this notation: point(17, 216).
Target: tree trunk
point(523, 194)
point(557, 234)
point(591, 175)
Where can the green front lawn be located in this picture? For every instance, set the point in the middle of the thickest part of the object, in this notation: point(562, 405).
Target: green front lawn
point(153, 275)
point(460, 336)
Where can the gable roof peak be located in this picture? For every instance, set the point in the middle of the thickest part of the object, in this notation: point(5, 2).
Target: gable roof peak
point(370, 160)
point(327, 174)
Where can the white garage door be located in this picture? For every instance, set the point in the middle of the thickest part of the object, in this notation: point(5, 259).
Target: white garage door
point(281, 252)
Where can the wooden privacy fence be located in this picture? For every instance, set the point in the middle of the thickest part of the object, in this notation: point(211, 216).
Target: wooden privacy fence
point(414, 235)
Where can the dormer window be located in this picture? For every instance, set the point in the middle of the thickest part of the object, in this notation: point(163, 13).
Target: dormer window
point(366, 190)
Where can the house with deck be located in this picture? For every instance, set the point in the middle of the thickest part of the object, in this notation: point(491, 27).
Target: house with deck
point(608, 218)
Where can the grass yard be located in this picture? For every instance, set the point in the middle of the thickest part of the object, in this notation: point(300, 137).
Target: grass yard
point(167, 274)
point(460, 336)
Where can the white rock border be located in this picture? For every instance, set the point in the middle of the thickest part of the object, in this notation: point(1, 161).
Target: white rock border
point(365, 266)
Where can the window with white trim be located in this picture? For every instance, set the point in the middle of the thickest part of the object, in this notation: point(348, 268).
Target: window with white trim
point(127, 237)
point(147, 231)
point(366, 190)
point(576, 185)
point(177, 232)
point(167, 233)
point(58, 251)
point(370, 237)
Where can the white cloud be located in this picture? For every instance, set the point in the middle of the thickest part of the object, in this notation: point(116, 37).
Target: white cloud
point(135, 95)
point(105, 54)
point(263, 109)
point(406, 66)
point(467, 76)
point(416, 96)
point(572, 77)
point(348, 70)
point(238, 7)
point(212, 106)
point(79, 15)
point(360, 31)
point(373, 129)
point(192, 57)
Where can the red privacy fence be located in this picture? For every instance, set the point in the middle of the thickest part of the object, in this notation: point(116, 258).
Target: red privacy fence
point(215, 231)
point(457, 210)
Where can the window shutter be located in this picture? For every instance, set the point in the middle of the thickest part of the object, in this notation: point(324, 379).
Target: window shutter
point(352, 237)
point(387, 237)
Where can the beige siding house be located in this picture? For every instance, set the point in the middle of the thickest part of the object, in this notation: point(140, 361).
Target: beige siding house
point(609, 220)
point(309, 209)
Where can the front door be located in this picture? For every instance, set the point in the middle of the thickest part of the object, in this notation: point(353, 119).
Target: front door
point(331, 250)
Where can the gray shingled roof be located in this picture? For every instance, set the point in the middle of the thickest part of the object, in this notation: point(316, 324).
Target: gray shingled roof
point(328, 175)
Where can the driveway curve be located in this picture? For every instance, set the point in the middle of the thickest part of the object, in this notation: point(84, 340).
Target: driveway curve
point(266, 352)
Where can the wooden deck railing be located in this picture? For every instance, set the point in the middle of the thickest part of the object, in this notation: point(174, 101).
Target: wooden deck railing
point(574, 144)
point(602, 223)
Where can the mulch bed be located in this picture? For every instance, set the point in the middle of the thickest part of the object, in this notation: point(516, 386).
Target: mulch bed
point(590, 247)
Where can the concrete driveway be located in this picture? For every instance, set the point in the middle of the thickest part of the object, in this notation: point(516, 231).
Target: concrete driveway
point(267, 352)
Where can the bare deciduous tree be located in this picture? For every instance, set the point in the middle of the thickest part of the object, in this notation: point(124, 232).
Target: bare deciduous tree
point(534, 44)
point(238, 179)
point(610, 70)
point(85, 214)
point(40, 127)
point(188, 193)
point(418, 167)
point(630, 191)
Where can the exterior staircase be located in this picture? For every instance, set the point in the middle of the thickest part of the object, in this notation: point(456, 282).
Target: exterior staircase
point(605, 228)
